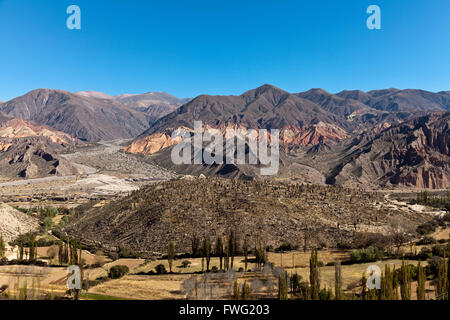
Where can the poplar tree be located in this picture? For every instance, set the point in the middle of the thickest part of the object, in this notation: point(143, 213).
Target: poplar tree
point(232, 247)
point(245, 253)
point(227, 258)
point(338, 281)
point(207, 251)
point(282, 286)
point(236, 291)
point(170, 254)
point(405, 281)
point(421, 280)
point(246, 291)
point(219, 251)
point(395, 283)
point(314, 275)
point(364, 287)
point(2, 247)
point(389, 283)
point(194, 244)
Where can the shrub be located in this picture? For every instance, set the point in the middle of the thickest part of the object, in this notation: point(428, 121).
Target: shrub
point(343, 245)
point(214, 269)
point(185, 264)
point(118, 271)
point(425, 253)
point(286, 246)
point(370, 254)
point(426, 240)
point(125, 252)
point(427, 227)
point(368, 239)
point(160, 269)
point(441, 251)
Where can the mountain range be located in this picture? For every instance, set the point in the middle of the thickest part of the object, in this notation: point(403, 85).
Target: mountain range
point(90, 116)
point(359, 137)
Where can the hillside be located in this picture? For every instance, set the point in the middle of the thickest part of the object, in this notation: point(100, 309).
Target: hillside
point(33, 157)
point(149, 218)
point(15, 223)
point(412, 154)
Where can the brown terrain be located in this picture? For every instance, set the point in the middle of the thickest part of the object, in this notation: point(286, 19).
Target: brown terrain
point(151, 217)
point(353, 138)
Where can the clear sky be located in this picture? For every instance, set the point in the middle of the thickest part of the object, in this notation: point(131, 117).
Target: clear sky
point(195, 47)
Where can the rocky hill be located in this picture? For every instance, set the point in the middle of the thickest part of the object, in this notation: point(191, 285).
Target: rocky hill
point(149, 218)
point(414, 153)
point(33, 157)
point(13, 222)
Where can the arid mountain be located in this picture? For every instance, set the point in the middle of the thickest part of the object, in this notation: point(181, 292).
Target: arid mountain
point(415, 153)
point(337, 129)
point(147, 220)
point(333, 103)
point(301, 121)
point(33, 157)
point(85, 118)
point(394, 100)
point(154, 104)
point(15, 223)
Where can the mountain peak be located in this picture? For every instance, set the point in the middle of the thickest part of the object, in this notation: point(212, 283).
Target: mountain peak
point(266, 89)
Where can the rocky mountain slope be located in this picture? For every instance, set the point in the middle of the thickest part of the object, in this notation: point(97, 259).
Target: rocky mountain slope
point(33, 157)
point(11, 128)
point(86, 118)
point(13, 223)
point(414, 153)
point(149, 218)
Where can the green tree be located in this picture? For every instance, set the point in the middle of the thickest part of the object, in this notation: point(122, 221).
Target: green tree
point(170, 254)
point(282, 286)
point(388, 288)
point(421, 280)
point(405, 281)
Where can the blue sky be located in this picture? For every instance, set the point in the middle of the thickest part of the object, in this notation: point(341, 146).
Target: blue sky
point(194, 47)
